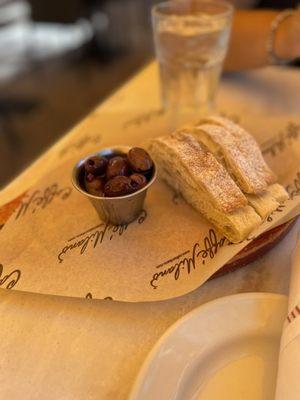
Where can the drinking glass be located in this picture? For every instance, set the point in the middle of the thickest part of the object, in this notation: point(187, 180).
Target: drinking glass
point(191, 41)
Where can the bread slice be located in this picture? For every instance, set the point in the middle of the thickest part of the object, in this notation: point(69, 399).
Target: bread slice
point(263, 203)
point(221, 143)
point(268, 201)
point(191, 169)
point(278, 192)
point(245, 160)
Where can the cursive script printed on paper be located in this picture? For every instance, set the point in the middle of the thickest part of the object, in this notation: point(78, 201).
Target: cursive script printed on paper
point(293, 188)
point(279, 209)
point(40, 199)
point(9, 280)
point(176, 198)
point(95, 236)
point(79, 144)
point(144, 118)
point(190, 259)
point(284, 139)
point(90, 296)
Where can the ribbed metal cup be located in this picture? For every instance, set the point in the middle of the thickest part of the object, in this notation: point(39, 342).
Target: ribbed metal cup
point(116, 210)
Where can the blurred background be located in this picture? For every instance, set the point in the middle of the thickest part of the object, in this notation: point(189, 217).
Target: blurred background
point(58, 60)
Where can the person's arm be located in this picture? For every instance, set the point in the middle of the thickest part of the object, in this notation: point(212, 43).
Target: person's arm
point(250, 32)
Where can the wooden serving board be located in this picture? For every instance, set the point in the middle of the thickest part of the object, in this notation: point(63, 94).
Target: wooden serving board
point(257, 248)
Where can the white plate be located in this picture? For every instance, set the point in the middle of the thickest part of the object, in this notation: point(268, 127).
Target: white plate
point(224, 350)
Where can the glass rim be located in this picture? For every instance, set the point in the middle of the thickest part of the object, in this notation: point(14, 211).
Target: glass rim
point(157, 9)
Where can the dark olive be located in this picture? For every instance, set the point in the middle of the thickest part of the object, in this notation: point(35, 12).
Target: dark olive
point(117, 166)
point(94, 185)
point(138, 181)
point(139, 160)
point(89, 177)
point(96, 165)
point(118, 186)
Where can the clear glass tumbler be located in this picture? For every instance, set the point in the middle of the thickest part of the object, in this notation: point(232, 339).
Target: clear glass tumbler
point(191, 39)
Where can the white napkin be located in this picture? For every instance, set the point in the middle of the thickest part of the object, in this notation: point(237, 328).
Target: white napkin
point(288, 379)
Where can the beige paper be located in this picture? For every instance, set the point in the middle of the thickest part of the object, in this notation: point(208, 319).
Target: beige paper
point(55, 244)
point(288, 384)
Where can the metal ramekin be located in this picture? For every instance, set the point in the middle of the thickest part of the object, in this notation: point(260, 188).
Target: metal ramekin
point(116, 210)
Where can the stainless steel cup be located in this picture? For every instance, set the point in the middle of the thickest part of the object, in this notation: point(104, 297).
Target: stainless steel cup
point(116, 210)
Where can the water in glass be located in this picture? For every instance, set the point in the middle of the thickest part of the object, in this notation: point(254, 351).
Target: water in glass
point(190, 51)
